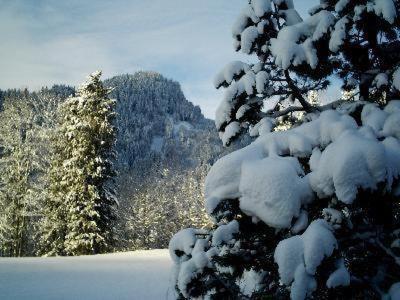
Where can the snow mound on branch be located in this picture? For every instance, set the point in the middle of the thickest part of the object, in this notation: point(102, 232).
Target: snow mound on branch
point(381, 80)
point(386, 9)
point(248, 14)
point(291, 17)
point(264, 126)
point(340, 277)
point(396, 79)
point(343, 158)
point(338, 35)
point(394, 291)
point(195, 265)
point(246, 85)
point(230, 131)
point(341, 4)
point(261, 7)
point(273, 190)
point(255, 10)
point(251, 281)
point(242, 111)
point(301, 223)
point(182, 242)
point(351, 162)
point(393, 107)
point(299, 256)
point(222, 181)
point(249, 35)
point(374, 117)
point(391, 126)
point(294, 44)
point(230, 72)
point(189, 255)
point(251, 22)
point(224, 233)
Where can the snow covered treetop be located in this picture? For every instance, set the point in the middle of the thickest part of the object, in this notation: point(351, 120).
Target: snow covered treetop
point(93, 86)
point(332, 156)
point(356, 40)
point(282, 41)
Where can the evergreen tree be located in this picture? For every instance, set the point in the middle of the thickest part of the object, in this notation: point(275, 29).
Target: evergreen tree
point(311, 212)
point(79, 213)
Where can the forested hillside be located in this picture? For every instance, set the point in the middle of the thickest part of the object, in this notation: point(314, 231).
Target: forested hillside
point(164, 148)
point(152, 110)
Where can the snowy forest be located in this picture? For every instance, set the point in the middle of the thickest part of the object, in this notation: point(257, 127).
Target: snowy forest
point(159, 151)
point(283, 195)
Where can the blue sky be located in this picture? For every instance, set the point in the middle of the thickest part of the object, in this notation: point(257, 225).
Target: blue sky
point(51, 41)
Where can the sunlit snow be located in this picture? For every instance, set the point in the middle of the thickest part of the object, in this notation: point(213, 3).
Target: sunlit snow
point(129, 275)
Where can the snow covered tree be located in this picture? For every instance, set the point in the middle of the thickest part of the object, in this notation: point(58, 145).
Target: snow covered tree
point(79, 211)
point(313, 211)
point(355, 40)
point(293, 59)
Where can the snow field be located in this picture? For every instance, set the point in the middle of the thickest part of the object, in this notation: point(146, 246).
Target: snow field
point(130, 275)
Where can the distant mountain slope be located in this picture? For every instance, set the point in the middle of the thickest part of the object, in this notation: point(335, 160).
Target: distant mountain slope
point(157, 123)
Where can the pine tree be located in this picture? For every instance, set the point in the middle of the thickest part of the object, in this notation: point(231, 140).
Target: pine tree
point(312, 212)
point(79, 213)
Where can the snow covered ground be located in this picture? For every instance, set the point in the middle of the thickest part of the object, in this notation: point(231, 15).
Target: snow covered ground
point(130, 275)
